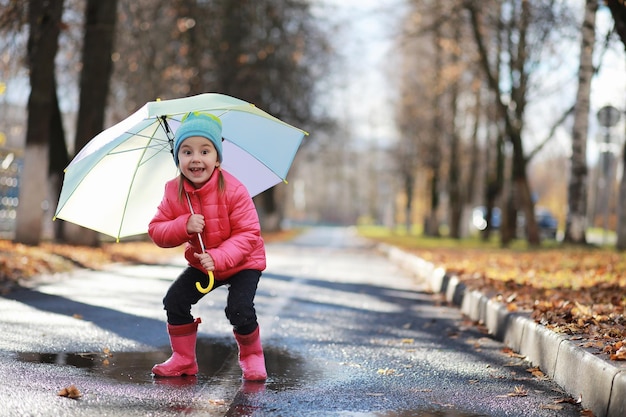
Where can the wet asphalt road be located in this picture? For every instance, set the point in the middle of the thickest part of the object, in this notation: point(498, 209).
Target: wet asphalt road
point(346, 333)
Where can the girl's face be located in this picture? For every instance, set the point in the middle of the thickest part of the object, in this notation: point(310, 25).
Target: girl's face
point(197, 160)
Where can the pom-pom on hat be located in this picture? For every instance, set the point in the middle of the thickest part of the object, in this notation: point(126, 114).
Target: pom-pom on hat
point(199, 124)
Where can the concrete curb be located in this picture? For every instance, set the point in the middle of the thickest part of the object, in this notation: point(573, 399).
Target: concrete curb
point(600, 383)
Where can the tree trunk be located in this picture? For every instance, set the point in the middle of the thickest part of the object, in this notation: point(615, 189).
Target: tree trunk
point(431, 226)
point(494, 182)
point(409, 184)
point(576, 222)
point(621, 208)
point(522, 193)
point(455, 189)
point(95, 77)
point(270, 214)
point(618, 11)
point(45, 22)
point(58, 158)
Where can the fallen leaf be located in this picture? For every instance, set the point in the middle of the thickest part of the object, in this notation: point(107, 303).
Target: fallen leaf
point(511, 353)
point(70, 392)
point(217, 402)
point(620, 355)
point(386, 371)
point(536, 372)
point(568, 400)
point(518, 391)
point(551, 407)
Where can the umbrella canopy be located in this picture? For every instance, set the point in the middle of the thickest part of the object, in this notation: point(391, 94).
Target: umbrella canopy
point(115, 183)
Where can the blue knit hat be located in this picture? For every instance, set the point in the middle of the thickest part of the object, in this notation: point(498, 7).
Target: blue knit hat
point(199, 124)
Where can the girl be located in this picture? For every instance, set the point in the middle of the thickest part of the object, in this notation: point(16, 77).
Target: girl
point(207, 202)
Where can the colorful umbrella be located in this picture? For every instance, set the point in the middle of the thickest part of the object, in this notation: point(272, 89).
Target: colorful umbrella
point(115, 183)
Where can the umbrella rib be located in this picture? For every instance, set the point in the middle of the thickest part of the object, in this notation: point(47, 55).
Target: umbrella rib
point(151, 138)
point(158, 146)
point(160, 149)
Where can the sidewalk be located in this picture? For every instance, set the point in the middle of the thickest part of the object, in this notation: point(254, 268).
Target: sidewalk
point(600, 384)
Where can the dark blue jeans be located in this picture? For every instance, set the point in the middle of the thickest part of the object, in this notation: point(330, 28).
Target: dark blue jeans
point(239, 310)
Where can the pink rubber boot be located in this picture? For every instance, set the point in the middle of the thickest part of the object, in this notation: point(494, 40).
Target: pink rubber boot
point(251, 358)
point(183, 359)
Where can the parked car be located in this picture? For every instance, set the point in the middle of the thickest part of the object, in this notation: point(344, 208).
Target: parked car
point(546, 222)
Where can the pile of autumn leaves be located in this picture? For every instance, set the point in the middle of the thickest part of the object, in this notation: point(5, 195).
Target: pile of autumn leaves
point(578, 292)
point(20, 263)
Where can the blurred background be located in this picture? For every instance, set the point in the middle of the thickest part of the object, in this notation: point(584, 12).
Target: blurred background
point(454, 119)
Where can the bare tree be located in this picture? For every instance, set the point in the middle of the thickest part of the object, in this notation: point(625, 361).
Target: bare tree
point(434, 152)
point(417, 154)
point(524, 29)
point(100, 17)
point(438, 111)
point(405, 155)
point(455, 143)
point(576, 223)
point(259, 51)
point(44, 19)
point(618, 11)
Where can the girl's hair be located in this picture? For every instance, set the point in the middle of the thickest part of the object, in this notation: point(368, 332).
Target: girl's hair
point(221, 184)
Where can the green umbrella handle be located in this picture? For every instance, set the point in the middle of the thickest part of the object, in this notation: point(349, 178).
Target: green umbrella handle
point(209, 287)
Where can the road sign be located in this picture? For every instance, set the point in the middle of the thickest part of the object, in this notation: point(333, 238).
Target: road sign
point(608, 116)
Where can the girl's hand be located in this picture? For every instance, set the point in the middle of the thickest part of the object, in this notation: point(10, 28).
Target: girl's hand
point(195, 224)
point(206, 261)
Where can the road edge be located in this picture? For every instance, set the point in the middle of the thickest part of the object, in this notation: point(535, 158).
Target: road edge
point(600, 384)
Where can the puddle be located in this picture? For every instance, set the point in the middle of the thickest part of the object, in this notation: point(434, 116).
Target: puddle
point(218, 366)
point(216, 359)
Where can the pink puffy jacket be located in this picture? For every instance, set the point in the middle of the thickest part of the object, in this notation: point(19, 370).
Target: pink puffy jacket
point(232, 234)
